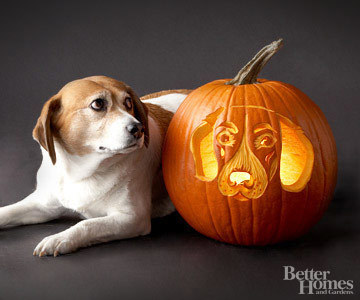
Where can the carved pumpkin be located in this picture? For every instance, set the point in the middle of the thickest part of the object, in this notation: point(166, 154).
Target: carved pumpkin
point(250, 161)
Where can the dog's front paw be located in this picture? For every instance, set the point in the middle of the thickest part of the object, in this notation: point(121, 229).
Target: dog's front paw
point(4, 215)
point(56, 244)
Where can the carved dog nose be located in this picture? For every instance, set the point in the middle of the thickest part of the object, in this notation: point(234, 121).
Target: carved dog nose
point(135, 129)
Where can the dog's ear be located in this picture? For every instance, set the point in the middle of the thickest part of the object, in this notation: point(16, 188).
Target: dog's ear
point(43, 131)
point(141, 114)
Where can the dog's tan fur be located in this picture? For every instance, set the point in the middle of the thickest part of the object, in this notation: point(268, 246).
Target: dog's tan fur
point(165, 92)
point(60, 115)
point(162, 116)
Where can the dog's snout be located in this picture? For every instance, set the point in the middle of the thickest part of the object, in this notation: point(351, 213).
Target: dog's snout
point(135, 129)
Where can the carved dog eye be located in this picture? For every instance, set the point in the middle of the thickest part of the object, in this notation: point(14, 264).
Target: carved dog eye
point(266, 140)
point(226, 136)
point(128, 103)
point(98, 104)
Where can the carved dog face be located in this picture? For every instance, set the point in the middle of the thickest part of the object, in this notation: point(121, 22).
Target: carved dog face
point(249, 170)
point(250, 155)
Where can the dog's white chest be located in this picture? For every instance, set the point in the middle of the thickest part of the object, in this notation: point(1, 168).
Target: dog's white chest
point(81, 197)
point(89, 196)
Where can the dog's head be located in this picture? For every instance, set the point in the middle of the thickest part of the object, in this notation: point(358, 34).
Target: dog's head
point(95, 114)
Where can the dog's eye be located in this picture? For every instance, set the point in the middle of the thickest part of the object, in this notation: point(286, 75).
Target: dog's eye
point(128, 103)
point(98, 104)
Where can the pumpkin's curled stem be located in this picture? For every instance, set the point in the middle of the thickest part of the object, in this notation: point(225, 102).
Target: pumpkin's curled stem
point(249, 73)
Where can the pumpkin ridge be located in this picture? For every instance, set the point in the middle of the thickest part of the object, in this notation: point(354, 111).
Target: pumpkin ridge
point(242, 208)
point(213, 91)
point(274, 120)
point(245, 127)
point(227, 197)
point(186, 158)
point(308, 205)
point(175, 124)
point(331, 141)
point(283, 193)
point(323, 200)
point(323, 167)
point(305, 202)
point(206, 185)
point(252, 202)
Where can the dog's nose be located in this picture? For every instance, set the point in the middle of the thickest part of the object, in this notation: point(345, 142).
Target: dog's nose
point(136, 129)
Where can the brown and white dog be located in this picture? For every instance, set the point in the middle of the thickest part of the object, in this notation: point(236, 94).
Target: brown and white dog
point(101, 151)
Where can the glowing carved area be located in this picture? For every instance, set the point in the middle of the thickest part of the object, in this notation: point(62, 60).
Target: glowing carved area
point(243, 162)
point(222, 152)
point(202, 148)
point(297, 158)
point(239, 177)
point(226, 136)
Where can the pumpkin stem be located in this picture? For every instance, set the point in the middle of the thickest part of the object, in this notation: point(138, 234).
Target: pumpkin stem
point(249, 73)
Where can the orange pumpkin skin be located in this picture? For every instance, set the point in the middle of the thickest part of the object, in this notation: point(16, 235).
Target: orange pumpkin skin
point(266, 216)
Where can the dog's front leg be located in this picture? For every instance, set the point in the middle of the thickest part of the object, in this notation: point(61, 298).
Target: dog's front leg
point(92, 231)
point(35, 208)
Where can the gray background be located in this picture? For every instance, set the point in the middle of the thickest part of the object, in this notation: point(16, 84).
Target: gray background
point(158, 45)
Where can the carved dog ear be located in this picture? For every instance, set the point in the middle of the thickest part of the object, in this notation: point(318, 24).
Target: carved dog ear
point(297, 157)
point(141, 114)
point(43, 131)
point(202, 148)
